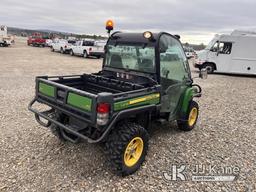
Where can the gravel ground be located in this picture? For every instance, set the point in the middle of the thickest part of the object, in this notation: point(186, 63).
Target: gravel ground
point(32, 159)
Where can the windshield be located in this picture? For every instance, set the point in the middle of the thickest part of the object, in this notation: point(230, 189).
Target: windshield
point(131, 57)
point(212, 42)
point(73, 42)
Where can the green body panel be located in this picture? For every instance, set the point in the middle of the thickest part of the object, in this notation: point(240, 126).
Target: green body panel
point(46, 89)
point(188, 96)
point(138, 101)
point(79, 101)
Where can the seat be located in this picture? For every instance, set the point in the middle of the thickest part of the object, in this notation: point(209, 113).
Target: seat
point(146, 65)
point(116, 61)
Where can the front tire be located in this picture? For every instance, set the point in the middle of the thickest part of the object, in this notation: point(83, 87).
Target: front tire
point(71, 52)
point(191, 117)
point(85, 55)
point(127, 147)
point(209, 67)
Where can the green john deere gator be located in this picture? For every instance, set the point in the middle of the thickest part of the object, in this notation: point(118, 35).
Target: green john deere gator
point(145, 77)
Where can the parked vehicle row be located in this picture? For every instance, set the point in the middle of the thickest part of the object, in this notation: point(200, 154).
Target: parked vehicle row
point(85, 48)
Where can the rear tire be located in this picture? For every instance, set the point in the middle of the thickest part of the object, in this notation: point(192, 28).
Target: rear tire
point(59, 132)
point(52, 49)
point(191, 117)
point(61, 50)
point(56, 129)
point(126, 148)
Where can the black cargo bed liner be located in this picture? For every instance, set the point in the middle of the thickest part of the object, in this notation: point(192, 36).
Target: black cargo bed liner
point(96, 84)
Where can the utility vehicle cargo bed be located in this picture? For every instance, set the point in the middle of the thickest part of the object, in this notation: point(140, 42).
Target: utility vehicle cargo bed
point(78, 95)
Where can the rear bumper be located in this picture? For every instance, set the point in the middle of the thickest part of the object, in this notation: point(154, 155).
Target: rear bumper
point(38, 43)
point(97, 54)
point(115, 118)
point(50, 120)
point(67, 50)
point(199, 66)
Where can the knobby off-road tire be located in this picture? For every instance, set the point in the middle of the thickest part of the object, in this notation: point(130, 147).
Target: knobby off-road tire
point(126, 148)
point(60, 133)
point(191, 117)
point(56, 129)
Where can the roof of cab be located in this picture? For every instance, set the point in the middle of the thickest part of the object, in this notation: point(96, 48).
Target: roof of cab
point(133, 37)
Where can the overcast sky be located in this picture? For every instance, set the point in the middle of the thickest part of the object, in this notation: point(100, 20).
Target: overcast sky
point(196, 21)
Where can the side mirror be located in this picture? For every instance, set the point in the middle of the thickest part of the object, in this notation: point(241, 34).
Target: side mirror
point(203, 74)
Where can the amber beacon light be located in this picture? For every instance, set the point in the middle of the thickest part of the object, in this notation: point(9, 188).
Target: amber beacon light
point(109, 25)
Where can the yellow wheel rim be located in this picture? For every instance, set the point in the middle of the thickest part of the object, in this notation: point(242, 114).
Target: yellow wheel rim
point(192, 116)
point(133, 151)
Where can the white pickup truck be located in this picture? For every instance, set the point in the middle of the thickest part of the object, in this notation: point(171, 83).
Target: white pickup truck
point(87, 48)
point(62, 45)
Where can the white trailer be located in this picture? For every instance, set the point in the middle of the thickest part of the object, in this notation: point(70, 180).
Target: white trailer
point(4, 39)
point(234, 54)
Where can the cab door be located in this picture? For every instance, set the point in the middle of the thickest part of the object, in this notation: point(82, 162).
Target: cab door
point(224, 56)
point(220, 54)
point(79, 48)
point(174, 73)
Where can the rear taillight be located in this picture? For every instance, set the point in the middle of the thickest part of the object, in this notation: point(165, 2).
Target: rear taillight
point(65, 46)
point(90, 49)
point(103, 110)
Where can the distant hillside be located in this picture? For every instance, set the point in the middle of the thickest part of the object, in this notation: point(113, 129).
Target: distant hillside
point(49, 33)
point(195, 47)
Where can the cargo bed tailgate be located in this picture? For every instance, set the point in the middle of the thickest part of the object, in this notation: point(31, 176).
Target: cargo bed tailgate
point(71, 101)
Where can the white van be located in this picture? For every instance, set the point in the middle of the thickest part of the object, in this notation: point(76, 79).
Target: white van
point(235, 54)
